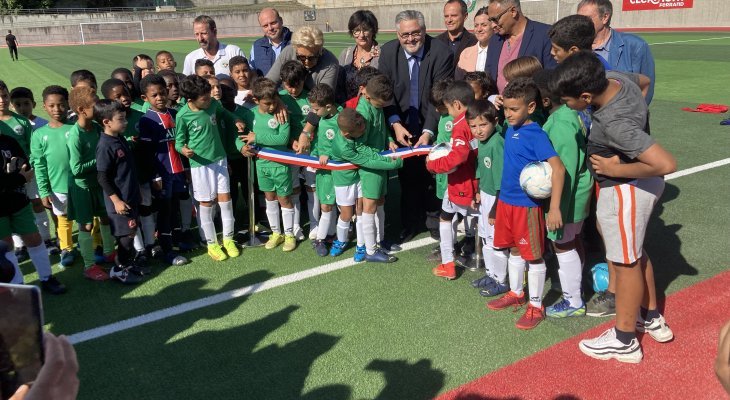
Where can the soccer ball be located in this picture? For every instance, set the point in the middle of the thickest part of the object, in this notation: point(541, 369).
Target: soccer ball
point(535, 180)
point(600, 277)
point(440, 150)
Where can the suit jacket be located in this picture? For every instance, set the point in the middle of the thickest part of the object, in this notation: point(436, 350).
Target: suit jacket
point(535, 42)
point(437, 64)
point(630, 53)
point(467, 40)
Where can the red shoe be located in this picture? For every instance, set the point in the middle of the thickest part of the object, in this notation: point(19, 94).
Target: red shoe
point(509, 299)
point(96, 273)
point(447, 271)
point(111, 257)
point(532, 317)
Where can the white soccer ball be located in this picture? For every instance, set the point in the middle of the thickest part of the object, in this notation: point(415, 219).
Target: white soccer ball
point(440, 150)
point(536, 179)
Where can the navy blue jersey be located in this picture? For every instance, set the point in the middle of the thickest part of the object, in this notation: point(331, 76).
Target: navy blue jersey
point(157, 133)
point(117, 173)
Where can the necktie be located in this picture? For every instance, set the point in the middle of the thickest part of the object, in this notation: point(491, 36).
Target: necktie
point(413, 124)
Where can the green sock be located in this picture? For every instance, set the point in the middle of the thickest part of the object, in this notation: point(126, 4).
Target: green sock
point(87, 248)
point(107, 238)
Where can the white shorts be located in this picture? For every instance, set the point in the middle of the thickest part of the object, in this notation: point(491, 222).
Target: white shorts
point(59, 202)
point(348, 195)
point(486, 231)
point(452, 208)
point(146, 191)
point(310, 177)
point(210, 180)
point(571, 231)
point(31, 189)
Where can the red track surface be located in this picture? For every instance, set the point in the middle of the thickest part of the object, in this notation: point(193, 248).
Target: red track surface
point(680, 369)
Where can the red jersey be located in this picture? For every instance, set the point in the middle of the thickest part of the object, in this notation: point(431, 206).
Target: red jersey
point(352, 103)
point(462, 183)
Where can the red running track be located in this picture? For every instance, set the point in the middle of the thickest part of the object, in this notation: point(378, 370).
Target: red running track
point(680, 369)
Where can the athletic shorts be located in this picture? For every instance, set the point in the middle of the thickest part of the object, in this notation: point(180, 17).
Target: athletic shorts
point(374, 183)
point(520, 227)
point(276, 179)
point(84, 204)
point(210, 180)
point(452, 208)
point(567, 233)
point(22, 222)
point(347, 195)
point(325, 187)
point(59, 203)
point(623, 212)
point(124, 224)
point(31, 189)
point(486, 231)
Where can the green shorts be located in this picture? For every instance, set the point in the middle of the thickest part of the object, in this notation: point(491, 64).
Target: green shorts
point(325, 187)
point(374, 183)
point(85, 204)
point(22, 222)
point(274, 179)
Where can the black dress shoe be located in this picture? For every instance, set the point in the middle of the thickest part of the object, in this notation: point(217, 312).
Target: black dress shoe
point(406, 235)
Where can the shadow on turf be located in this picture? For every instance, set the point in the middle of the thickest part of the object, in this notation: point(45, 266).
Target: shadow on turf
point(404, 380)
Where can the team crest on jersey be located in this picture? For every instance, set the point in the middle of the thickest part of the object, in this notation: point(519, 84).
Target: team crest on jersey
point(306, 109)
point(330, 134)
point(18, 130)
point(213, 120)
point(66, 134)
point(273, 123)
point(45, 138)
point(449, 125)
point(487, 162)
point(225, 64)
point(120, 153)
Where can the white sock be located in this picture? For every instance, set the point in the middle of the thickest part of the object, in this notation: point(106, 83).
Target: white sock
point(447, 241)
point(516, 266)
point(207, 225)
point(343, 229)
point(288, 216)
point(227, 220)
point(313, 209)
point(498, 270)
point(368, 230)
point(359, 232)
point(148, 229)
point(272, 213)
point(18, 278)
point(17, 242)
point(39, 256)
point(380, 222)
point(325, 221)
point(41, 220)
point(536, 282)
point(186, 213)
point(138, 241)
point(297, 212)
point(197, 217)
point(570, 273)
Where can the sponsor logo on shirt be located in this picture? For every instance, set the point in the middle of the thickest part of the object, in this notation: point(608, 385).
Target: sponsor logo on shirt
point(457, 142)
point(330, 134)
point(196, 127)
point(487, 162)
point(273, 123)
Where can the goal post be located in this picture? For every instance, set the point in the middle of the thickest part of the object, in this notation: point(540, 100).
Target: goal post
point(92, 32)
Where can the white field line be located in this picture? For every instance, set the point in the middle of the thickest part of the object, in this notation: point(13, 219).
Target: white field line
point(690, 40)
point(222, 297)
point(699, 168)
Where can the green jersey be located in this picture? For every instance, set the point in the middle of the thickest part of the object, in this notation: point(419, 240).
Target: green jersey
point(140, 105)
point(199, 130)
point(446, 123)
point(270, 134)
point(82, 155)
point(376, 133)
point(490, 160)
point(567, 134)
point(49, 157)
point(231, 134)
point(18, 128)
point(326, 132)
point(298, 108)
point(361, 155)
point(132, 131)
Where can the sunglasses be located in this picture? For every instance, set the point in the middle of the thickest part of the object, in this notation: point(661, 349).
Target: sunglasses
point(495, 20)
point(307, 58)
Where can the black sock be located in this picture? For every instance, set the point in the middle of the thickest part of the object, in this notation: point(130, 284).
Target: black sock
point(652, 314)
point(643, 312)
point(625, 337)
point(125, 250)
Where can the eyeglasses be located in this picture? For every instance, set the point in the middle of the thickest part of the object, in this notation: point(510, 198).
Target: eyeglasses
point(495, 20)
point(304, 59)
point(361, 32)
point(411, 35)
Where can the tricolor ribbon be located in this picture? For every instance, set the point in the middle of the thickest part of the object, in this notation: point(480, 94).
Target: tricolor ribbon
point(305, 160)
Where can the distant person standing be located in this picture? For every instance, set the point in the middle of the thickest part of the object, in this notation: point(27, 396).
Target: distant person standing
point(265, 50)
point(211, 49)
point(12, 43)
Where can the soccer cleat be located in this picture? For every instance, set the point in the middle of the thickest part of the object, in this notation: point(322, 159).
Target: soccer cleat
point(111, 257)
point(299, 235)
point(68, 257)
point(657, 328)
point(290, 243)
point(337, 248)
point(215, 251)
point(482, 282)
point(508, 300)
point(607, 346)
point(603, 305)
point(360, 254)
point(53, 286)
point(275, 239)
point(562, 309)
point(380, 256)
point(494, 288)
point(96, 273)
point(175, 259)
point(52, 247)
point(320, 248)
point(531, 318)
point(389, 246)
point(22, 254)
point(125, 275)
point(447, 270)
point(231, 248)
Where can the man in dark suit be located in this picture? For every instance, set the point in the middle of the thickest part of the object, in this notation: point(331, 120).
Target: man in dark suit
point(456, 37)
point(516, 36)
point(414, 62)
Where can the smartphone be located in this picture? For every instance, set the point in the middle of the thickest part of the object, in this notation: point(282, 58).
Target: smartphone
point(21, 336)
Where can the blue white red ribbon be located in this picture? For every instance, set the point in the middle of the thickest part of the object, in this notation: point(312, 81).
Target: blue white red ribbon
point(305, 160)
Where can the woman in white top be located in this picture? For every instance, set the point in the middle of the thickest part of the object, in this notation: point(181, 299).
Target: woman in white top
point(363, 27)
point(474, 58)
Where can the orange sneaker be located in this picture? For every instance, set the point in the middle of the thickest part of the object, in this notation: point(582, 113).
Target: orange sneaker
point(96, 273)
point(447, 271)
point(509, 299)
point(532, 317)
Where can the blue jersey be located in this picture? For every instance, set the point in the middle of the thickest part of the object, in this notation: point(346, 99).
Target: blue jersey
point(522, 146)
point(157, 132)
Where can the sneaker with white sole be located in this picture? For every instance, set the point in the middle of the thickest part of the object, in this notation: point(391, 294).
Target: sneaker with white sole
point(299, 234)
point(657, 328)
point(607, 346)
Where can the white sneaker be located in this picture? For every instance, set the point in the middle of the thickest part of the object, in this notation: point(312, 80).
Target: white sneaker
point(313, 233)
point(657, 328)
point(607, 346)
point(299, 234)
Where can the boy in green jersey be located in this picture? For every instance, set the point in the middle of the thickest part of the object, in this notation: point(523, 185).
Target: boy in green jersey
point(49, 157)
point(85, 199)
point(24, 103)
point(198, 139)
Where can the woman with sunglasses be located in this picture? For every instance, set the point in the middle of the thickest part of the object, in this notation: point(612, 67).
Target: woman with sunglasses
point(363, 27)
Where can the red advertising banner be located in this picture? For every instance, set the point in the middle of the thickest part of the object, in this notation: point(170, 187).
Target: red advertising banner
point(640, 5)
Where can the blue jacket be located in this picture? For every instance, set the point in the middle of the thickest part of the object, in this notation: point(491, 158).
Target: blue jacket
point(263, 55)
point(535, 42)
point(630, 53)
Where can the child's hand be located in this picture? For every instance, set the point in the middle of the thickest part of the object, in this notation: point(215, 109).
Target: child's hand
point(491, 220)
point(250, 138)
point(247, 151)
point(323, 160)
point(492, 217)
point(240, 125)
point(392, 146)
point(498, 102)
point(121, 207)
point(304, 143)
point(282, 114)
point(46, 201)
point(603, 165)
point(187, 151)
point(554, 219)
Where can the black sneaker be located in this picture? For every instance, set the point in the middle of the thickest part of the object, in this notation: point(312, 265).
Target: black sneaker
point(175, 259)
point(52, 247)
point(389, 246)
point(140, 269)
point(320, 248)
point(602, 305)
point(125, 275)
point(22, 254)
point(140, 258)
point(53, 286)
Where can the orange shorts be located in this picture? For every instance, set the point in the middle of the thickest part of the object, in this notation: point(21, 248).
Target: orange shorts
point(521, 227)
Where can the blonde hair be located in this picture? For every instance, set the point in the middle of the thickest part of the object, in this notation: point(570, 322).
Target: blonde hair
point(523, 67)
point(307, 36)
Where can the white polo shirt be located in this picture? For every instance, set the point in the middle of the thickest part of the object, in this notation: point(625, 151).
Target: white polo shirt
point(225, 53)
